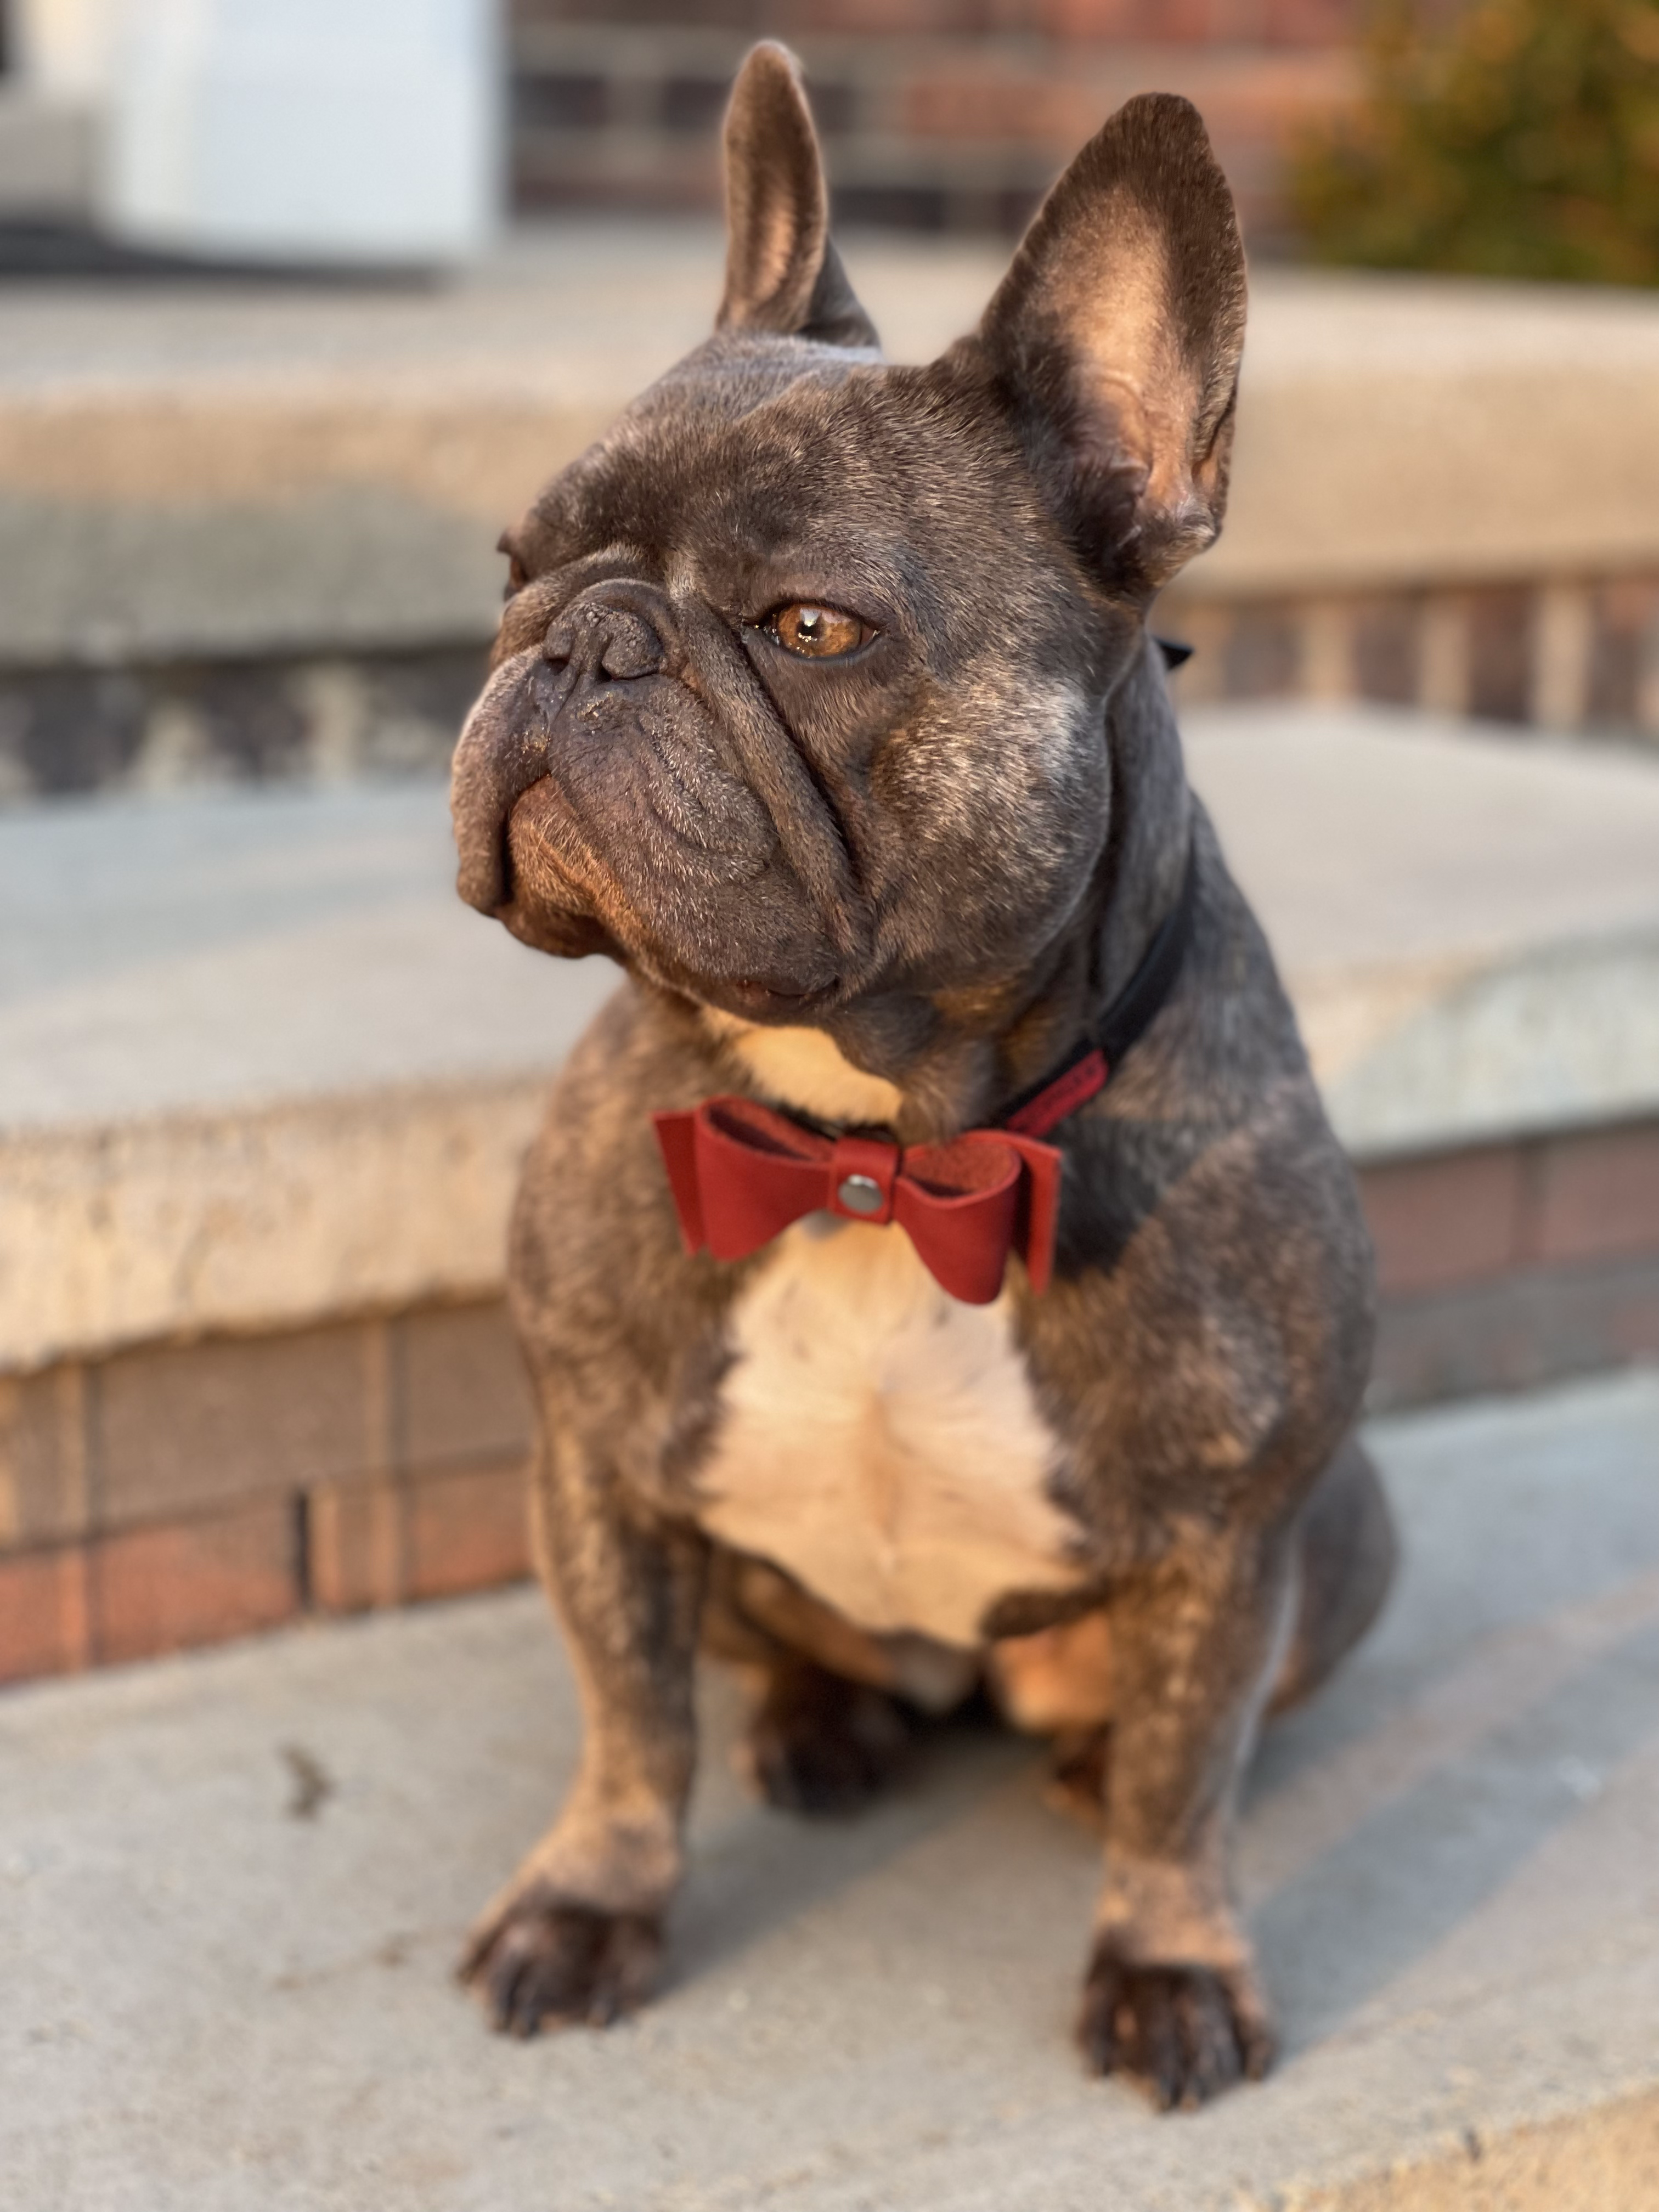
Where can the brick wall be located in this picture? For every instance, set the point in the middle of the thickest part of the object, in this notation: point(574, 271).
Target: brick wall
point(1505, 1265)
point(936, 114)
point(177, 1495)
point(1564, 654)
point(1189, 22)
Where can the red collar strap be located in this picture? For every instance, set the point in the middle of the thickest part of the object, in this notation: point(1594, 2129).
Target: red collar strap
point(741, 1172)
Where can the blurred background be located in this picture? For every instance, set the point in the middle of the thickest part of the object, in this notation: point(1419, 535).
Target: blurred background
point(300, 301)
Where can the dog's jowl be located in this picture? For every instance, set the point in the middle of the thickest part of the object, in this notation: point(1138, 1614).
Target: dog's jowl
point(936, 1272)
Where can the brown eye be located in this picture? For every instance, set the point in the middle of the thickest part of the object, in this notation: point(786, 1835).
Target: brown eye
point(818, 633)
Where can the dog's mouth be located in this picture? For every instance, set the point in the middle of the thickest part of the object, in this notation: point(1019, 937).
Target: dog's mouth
point(758, 1000)
point(559, 892)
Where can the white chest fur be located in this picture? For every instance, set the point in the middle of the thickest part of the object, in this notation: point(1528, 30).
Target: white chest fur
point(880, 1441)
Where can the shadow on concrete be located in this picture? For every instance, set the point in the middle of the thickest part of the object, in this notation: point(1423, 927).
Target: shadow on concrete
point(1402, 1881)
point(755, 1871)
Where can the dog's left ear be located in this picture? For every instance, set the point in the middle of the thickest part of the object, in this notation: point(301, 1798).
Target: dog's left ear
point(782, 273)
point(1114, 342)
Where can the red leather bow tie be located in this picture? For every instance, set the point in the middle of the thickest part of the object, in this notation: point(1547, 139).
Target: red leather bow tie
point(741, 1173)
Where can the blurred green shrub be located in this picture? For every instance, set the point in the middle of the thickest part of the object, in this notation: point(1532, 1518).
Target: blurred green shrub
point(1518, 139)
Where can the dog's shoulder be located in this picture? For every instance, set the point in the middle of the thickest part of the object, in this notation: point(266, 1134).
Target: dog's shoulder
point(1212, 1233)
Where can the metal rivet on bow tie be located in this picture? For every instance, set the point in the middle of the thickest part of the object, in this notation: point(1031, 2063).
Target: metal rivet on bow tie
point(860, 1194)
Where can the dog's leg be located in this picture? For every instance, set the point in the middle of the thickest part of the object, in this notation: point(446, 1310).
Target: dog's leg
point(1172, 1998)
point(828, 1733)
point(1347, 1554)
point(822, 1745)
point(577, 1934)
point(1077, 1780)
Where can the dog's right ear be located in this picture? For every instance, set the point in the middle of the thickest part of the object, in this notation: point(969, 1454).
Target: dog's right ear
point(782, 273)
point(1114, 339)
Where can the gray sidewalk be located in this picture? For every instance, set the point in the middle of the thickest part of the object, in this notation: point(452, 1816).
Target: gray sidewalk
point(1451, 1863)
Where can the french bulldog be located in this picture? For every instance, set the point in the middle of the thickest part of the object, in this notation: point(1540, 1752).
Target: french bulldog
point(824, 703)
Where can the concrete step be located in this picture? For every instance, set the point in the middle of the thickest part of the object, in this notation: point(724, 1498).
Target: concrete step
point(251, 530)
point(234, 1886)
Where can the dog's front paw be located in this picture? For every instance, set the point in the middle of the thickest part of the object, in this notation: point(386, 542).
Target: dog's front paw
point(539, 1961)
point(1181, 2033)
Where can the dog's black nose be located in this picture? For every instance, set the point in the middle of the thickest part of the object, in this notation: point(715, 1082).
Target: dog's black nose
point(606, 642)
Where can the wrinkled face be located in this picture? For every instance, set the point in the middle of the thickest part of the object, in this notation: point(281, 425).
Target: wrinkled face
point(799, 693)
point(797, 706)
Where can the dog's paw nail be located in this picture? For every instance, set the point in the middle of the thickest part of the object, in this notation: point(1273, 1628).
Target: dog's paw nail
point(1180, 2035)
point(544, 1963)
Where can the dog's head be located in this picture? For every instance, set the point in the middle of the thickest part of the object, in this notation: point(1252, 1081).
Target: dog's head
point(798, 702)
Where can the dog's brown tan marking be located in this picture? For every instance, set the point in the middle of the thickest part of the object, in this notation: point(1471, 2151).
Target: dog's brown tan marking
point(896, 878)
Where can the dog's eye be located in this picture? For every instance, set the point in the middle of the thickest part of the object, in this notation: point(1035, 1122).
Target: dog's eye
point(818, 633)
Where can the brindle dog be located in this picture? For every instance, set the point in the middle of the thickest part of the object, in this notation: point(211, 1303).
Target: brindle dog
point(824, 703)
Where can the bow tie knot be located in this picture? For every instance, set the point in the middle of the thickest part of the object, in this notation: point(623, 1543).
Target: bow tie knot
point(741, 1173)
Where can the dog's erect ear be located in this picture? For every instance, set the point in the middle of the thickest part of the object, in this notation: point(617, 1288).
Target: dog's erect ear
point(1114, 339)
point(781, 271)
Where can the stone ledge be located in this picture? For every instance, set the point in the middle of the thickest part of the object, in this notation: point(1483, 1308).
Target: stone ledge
point(1469, 929)
point(175, 1225)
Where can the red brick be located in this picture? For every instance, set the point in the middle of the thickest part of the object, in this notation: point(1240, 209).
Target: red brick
point(425, 1535)
point(178, 1428)
point(1262, 658)
point(1596, 1196)
point(43, 1457)
point(1313, 22)
point(1388, 648)
point(877, 18)
point(1183, 22)
point(1206, 628)
point(357, 1540)
point(1517, 1333)
point(1457, 1219)
point(1501, 651)
point(1267, 99)
point(977, 104)
point(468, 1530)
point(464, 1393)
point(194, 1582)
point(43, 1613)
point(1626, 623)
point(1086, 19)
